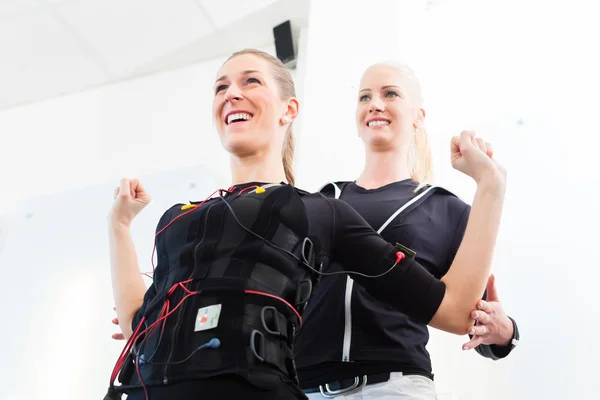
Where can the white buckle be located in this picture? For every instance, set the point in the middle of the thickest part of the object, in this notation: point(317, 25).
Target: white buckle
point(330, 394)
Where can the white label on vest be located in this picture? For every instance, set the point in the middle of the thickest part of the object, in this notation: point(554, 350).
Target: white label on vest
point(207, 318)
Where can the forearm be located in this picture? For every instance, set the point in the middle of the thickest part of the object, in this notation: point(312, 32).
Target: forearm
point(466, 280)
point(128, 285)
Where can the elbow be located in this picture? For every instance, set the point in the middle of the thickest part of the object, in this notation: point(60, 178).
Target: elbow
point(457, 326)
point(126, 321)
point(463, 326)
point(453, 316)
point(126, 329)
point(451, 323)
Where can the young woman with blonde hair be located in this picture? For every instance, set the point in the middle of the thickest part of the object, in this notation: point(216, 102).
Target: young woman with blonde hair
point(351, 342)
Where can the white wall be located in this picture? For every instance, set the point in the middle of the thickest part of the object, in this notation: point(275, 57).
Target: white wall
point(477, 71)
point(132, 128)
point(486, 66)
point(136, 127)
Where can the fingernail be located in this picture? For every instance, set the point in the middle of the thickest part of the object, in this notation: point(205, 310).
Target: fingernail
point(476, 315)
point(472, 331)
point(465, 347)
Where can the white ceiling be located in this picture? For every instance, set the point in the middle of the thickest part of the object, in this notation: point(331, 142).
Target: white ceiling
point(53, 47)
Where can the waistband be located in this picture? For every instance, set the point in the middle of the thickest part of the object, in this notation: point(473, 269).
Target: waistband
point(316, 376)
point(347, 386)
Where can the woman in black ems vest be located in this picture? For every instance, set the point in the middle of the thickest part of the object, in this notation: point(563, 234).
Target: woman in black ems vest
point(370, 348)
point(235, 272)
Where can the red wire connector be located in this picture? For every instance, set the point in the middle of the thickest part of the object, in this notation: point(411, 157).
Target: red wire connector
point(399, 257)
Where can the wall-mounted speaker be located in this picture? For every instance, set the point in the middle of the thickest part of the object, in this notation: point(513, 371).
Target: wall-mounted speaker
point(284, 44)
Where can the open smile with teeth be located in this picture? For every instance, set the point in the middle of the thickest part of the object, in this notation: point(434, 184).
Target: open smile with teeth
point(239, 117)
point(378, 123)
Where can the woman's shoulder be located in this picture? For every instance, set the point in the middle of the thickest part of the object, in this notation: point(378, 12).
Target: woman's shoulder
point(172, 212)
point(323, 206)
point(445, 198)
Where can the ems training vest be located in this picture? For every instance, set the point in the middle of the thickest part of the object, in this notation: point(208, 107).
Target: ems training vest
point(248, 272)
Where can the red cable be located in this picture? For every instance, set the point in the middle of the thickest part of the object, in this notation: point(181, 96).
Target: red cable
point(137, 360)
point(248, 188)
point(181, 215)
point(162, 318)
point(158, 321)
point(137, 332)
point(162, 313)
point(137, 370)
point(165, 312)
point(278, 298)
point(125, 350)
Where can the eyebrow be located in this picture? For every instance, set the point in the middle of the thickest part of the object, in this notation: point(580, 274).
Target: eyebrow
point(246, 72)
point(384, 87)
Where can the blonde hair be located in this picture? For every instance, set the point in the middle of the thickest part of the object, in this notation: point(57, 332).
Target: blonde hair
point(419, 153)
point(287, 89)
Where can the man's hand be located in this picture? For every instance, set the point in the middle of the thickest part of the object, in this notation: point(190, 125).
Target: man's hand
point(492, 324)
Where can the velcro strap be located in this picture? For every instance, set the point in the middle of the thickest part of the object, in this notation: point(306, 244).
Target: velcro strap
point(268, 320)
point(275, 352)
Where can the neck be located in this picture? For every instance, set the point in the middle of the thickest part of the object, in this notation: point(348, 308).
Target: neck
point(256, 168)
point(383, 168)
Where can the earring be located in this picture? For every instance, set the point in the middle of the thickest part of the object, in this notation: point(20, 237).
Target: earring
point(285, 120)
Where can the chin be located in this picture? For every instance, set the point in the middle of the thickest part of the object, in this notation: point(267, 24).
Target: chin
point(241, 146)
point(378, 138)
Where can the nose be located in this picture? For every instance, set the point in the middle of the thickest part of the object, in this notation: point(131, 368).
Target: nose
point(376, 105)
point(233, 94)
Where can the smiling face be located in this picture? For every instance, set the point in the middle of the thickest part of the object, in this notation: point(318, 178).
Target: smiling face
point(388, 108)
point(247, 106)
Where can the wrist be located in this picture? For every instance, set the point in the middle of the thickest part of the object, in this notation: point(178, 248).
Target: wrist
point(492, 182)
point(507, 332)
point(118, 227)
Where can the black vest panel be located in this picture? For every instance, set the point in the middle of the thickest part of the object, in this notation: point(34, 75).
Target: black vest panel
point(245, 284)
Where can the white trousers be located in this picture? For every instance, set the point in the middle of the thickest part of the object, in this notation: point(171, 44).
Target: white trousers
point(399, 387)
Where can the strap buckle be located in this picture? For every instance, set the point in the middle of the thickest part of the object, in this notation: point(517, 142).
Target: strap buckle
point(303, 293)
point(308, 251)
point(276, 354)
point(355, 387)
point(256, 349)
point(263, 316)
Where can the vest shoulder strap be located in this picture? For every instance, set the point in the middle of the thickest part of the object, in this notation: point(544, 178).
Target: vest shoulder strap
point(417, 200)
point(424, 193)
point(336, 186)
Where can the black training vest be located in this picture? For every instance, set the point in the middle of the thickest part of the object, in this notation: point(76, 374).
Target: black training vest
point(246, 286)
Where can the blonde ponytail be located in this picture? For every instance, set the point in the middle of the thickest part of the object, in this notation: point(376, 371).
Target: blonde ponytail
point(419, 159)
point(288, 157)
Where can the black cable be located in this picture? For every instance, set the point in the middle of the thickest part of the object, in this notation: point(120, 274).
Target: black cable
point(157, 344)
point(302, 261)
point(282, 250)
point(214, 343)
